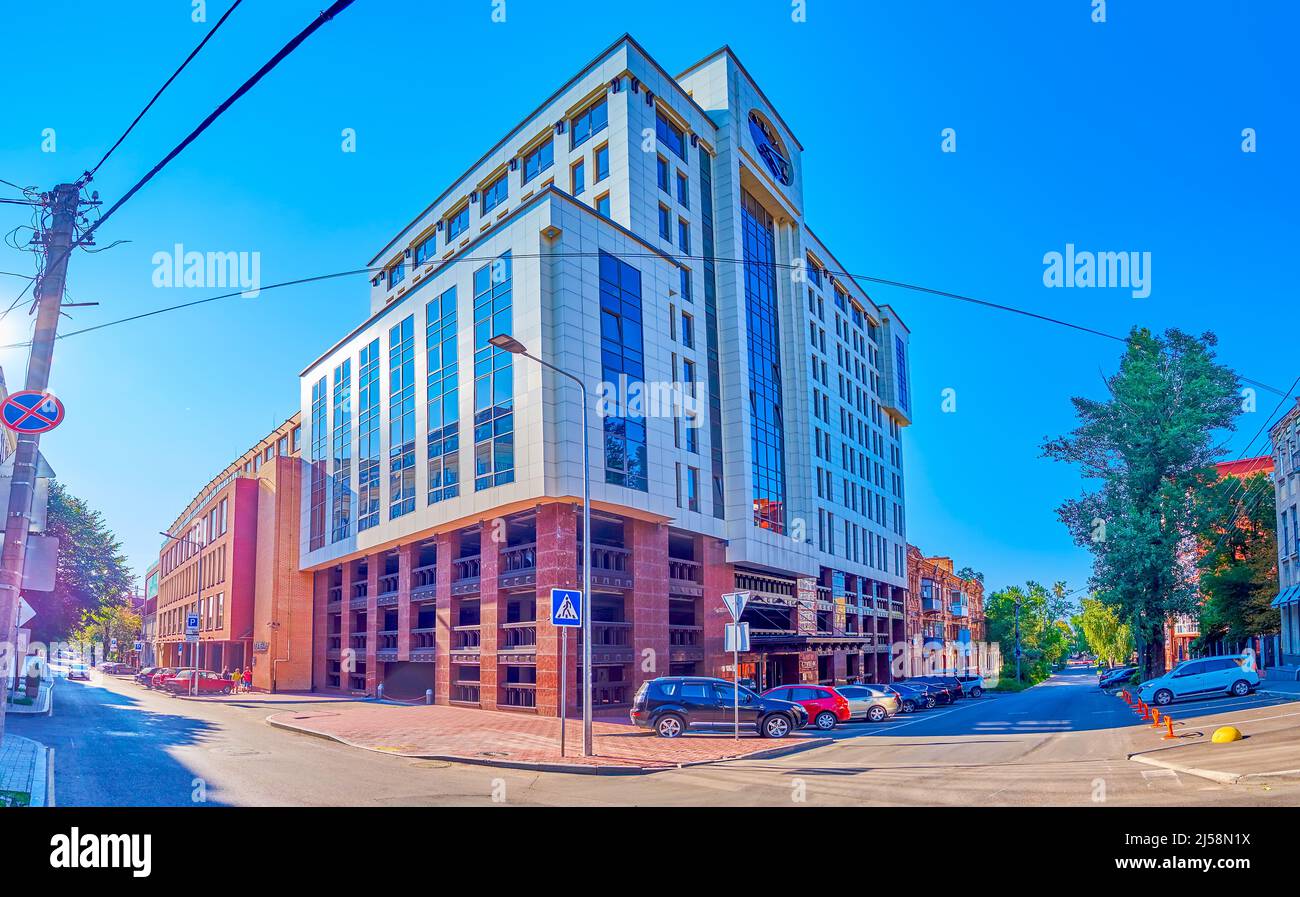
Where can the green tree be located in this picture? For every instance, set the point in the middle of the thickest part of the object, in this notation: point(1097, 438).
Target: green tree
point(970, 573)
point(91, 571)
point(1148, 445)
point(111, 620)
point(1045, 639)
point(1108, 637)
point(1236, 530)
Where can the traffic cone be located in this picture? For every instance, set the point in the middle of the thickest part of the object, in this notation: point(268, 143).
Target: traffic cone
point(1169, 721)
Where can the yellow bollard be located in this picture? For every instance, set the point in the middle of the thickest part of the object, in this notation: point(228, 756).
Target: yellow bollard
point(1225, 734)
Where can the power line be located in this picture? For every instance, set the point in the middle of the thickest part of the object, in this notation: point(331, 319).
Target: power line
point(195, 52)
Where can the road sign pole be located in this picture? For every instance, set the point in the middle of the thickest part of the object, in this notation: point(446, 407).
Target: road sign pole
point(735, 676)
point(49, 298)
point(564, 685)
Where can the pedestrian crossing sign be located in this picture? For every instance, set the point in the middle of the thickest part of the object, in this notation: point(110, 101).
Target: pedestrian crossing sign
point(566, 607)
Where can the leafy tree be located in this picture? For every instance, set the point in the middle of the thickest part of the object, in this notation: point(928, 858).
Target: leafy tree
point(1238, 570)
point(91, 571)
point(970, 573)
point(1107, 636)
point(112, 620)
point(1149, 445)
point(1045, 640)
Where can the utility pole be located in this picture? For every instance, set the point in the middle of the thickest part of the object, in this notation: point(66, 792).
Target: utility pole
point(1017, 639)
point(58, 241)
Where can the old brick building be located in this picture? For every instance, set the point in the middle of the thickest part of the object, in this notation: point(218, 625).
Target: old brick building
point(945, 617)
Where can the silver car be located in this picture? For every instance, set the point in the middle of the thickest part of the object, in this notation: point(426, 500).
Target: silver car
point(876, 703)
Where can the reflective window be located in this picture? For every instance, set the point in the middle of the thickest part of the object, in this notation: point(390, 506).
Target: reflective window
point(622, 354)
point(494, 194)
point(442, 396)
point(494, 394)
point(401, 417)
point(341, 520)
point(319, 456)
point(669, 135)
point(457, 223)
point(539, 160)
point(368, 437)
point(767, 426)
point(591, 120)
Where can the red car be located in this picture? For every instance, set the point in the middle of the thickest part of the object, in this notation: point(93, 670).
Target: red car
point(210, 683)
point(826, 707)
point(163, 674)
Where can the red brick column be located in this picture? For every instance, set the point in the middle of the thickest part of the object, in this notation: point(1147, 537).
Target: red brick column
point(446, 543)
point(345, 625)
point(557, 568)
point(406, 557)
point(488, 609)
point(719, 578)
point(320, 625)
point(373, 677)
point(648, 610)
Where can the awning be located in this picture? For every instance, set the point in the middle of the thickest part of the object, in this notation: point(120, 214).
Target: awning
point(1287, 597)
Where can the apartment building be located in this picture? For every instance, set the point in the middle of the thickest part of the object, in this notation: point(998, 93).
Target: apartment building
point(646, 233)
point(945, 623)
point(1285, 436)
point(252, 601)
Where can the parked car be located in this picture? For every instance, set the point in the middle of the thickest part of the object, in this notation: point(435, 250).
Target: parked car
point(951, 683)
point(972, 686)
point(943, 694)
point(1233, 674)
point(675, 705)
point(79, 671)
point(826, 707)
point(876, 703)
point(1117, 677)
point(143, 676)
point(165, 673)
point(914, 696)
point(209, 683)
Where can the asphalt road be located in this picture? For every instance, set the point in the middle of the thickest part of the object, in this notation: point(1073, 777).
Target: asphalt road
point(1062, 742)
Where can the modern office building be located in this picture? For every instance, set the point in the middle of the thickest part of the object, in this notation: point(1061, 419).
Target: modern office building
point(252, 601)
point(945, 622)
point(646, 233)
point(1286, 479)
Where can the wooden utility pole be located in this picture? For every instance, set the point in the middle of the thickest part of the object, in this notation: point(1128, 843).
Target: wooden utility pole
point(58, 244)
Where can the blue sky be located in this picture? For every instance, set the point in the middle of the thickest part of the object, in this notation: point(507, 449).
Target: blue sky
point(1122, 136)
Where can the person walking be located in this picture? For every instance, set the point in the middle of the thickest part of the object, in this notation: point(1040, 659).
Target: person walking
point(248, 679)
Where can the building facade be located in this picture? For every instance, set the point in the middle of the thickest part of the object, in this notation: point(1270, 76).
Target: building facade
point(647, 234)
point(945, 623)
point(1286, 480)
point(253, 603)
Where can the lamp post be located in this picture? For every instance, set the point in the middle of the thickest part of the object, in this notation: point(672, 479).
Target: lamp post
point(198, 603)
point(514, 347)
point(1017, 638)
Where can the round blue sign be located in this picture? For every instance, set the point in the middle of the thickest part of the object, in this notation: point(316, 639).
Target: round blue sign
point(31, 411)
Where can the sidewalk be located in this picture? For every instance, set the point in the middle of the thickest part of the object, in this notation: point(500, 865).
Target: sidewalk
point(25, 770)
point(524, 740)
point(1268, 753)
point(42, 705)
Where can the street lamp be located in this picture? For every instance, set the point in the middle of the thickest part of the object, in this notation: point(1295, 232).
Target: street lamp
point(198, 603)
point(514, 347)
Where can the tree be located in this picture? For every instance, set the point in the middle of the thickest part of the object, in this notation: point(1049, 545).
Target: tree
point(111, 620)
point(1107, 636)
point(969, 573)
point(1149, 445)
point(91, 571)
point(1236, 533)
point(1044, 639)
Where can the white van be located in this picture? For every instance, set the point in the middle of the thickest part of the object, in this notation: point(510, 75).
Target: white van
point(1227, 674)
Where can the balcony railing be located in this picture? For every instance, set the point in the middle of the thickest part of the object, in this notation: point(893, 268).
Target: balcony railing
point(388, 640)
point(685, 571)
point(425, 577)
point(959, 610)
point(334, 596)
point(607, 635)
point(518, 558)
point(334, 642)
point(465, 692)
point(423, 639)
point(519, 635)
point(388, 584)
point(685, 636)
point(608, 559)
point(519, 694)
point(463, 569)
point(931, 606)
point(360, 589)
point(465, 638)
point(357, 642)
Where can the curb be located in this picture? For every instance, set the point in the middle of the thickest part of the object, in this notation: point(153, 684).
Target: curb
point(546, 766)
point(1223, 778)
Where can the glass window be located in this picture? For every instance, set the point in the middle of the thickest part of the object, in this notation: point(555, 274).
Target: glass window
point(602, 205)
point(669, 135)
point(396, 274)
point(579, 176)
point(424, 250)
point(683, 191)
point(539, 160)
point(684, 236)
point(368, 436)
point(686, 285)
point(494, 194)
point(767, 427)
point(622, 355)
point(442, 397)
point(494, 430)
point(591, 120)
point(663, 174)
point(341, 519)
point(401, 417)
point(319, 456)
point(665, 223)
point(457, 223)
point(602, 163)
point(688, 331)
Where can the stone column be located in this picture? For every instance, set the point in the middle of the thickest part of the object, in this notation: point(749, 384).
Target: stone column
point(320, 625)
point(345, 626)
point(446, 544)
point(648, 601)
point(719, 578)
point(373, 676)
point(406, 558)
point(557, 568)
point(488, 609)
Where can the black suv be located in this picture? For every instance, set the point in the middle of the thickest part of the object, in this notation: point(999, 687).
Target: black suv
point(674, 705)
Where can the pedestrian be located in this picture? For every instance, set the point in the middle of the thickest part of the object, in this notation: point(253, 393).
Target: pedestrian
point(234, 680)
point(248, 679)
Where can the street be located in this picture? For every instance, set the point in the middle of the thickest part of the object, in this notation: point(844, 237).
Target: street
point(1060, 743)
